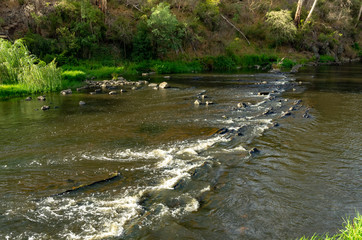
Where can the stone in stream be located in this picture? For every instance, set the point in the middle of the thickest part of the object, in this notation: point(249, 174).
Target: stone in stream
point(45, 107)
point(296, 102)
point(209, 103)
point(112, 93)
point(81, 103)
point(28, 99)
point(241, 105)
point(41, 98)
point(122, 91)
point(66, 92)
point(254, 151)
point(268, 111)
point(197, 102)
point(164, 85)
point(292, 108)
point(153, 85)
point(202, 96)
point(92, 93)
point(263, 93)
point(287, 113)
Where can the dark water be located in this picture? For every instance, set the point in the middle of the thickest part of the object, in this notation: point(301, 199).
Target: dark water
point(179, 177)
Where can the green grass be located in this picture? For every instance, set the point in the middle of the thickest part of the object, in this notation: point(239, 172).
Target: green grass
point(326, 59)
point(14, 90)
point(352, 230)
point(75, 75)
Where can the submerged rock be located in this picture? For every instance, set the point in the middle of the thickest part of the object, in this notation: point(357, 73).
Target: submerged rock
point(45, 107)
point(209, 103)
point(28, 99)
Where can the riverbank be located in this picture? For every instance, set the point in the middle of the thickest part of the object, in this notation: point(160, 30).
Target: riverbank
point(73, 76)
point(352, 230)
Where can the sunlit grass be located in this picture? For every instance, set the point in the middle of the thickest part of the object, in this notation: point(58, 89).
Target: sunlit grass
point(13, 90)
point(352, 231)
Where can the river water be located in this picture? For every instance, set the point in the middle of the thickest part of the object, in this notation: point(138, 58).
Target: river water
point(185, 171)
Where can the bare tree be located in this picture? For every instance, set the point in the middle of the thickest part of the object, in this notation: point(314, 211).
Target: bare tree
point(298, 12)
point(310, 13)
point(359, 15)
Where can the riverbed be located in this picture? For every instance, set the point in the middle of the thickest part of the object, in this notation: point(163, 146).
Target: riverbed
point(284, 164)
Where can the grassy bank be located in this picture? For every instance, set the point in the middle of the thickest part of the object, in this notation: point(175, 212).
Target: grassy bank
point(352, 230)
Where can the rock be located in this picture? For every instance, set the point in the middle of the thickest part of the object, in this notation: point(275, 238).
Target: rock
point(294, 89)
point(145, 74)
point(296, 102)
point(81, 103)
point(263, 93)
point(292, 108)
point(197, 102)
point(164, 85)
point(268, 111)
point(264, 82)
point(295, 68)
point(66, 92)
point(167, 77)
point(112, 93)
point(222, 131)
point(209, 103)
point(41, 98)
point(122, 91)
point(155, 88)
point(153, 85)
point(28, 99)
point(275, 70)
point(241, 105)
point(45, 107)
point(254, 151)
point(134, 88)
point(287, 113)
point(203, 96)
point(92, 93)
point(276, 124)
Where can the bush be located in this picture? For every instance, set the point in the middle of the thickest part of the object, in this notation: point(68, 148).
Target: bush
point(281, 26)
point(74, 75)
point(326, 58)
point(17, 65)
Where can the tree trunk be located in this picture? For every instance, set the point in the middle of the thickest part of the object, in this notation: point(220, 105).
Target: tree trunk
point(359, 15)
point(310, 13)
point(298, 12)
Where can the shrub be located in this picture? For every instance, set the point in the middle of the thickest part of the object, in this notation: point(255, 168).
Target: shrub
point(281, 26)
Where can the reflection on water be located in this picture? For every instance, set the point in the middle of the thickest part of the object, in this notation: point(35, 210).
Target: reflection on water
point(180, 176)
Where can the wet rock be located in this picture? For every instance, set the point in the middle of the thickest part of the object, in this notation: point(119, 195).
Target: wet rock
point(222, 131)
point(296, 102)
point(81, 103)
point(276, 124)
point(45, 107)
point(41, 98)
point(197, 102)
point(287, 113)
point(209, 103)
point(28, 99)
point(241, 105)
point(263, 93)
point(295, 68)
point(153, 85)
point(202, 96)
point(134, 88)
point(112, 93)
point(292, 108)
point(268, 111)
point(122, 91)
point(66, 92)
point(306, 114)
point(254, 151)
point(164, 85)
point(264, 82)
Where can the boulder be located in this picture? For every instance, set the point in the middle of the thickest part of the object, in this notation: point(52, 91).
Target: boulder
point(45, 107)
point(66, 92)
point(164, 85)
point(41, 98)
point(153, 85)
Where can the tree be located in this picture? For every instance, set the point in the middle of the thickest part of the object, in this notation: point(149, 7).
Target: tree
point(298, 12)
point(167, 32)
point(310, 13)
point(281, 25)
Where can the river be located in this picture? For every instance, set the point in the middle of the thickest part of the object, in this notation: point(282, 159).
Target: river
point(186, 171)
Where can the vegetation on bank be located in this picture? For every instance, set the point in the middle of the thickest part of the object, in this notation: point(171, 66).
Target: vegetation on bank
point(352, 231)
